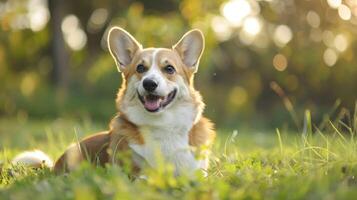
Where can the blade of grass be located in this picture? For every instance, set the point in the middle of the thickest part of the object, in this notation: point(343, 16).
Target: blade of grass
point(280, 142)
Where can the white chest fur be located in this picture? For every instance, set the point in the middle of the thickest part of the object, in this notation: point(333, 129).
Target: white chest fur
point(165, 146)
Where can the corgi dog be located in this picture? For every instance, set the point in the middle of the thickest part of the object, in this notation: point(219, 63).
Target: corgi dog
point(159, 117)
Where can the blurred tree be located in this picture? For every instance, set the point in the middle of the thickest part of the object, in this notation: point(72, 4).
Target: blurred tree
point(59, 53)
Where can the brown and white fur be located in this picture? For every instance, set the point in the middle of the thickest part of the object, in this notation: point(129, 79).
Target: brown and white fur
point(159, 111)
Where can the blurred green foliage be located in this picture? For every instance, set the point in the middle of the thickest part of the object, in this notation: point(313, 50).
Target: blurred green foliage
point(303, 49)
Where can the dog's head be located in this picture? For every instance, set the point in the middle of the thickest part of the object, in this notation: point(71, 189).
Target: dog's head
point(156, 79)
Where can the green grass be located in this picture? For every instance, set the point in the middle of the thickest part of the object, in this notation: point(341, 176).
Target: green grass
point(244, 165)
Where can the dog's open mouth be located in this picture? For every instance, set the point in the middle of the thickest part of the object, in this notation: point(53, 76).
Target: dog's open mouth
point(154, 103)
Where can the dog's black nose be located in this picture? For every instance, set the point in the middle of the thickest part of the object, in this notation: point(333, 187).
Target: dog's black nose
point(149, 85)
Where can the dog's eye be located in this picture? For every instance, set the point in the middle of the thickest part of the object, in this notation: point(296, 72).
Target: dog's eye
point(169, 69)
point(141, 68)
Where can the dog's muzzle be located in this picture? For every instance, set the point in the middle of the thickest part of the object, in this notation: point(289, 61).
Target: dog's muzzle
point(154, 103)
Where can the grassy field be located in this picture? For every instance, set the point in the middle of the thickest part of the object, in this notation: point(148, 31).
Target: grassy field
point(245, 164)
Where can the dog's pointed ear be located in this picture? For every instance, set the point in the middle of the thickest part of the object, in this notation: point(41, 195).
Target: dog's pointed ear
point(190, 48)
point(122, 47)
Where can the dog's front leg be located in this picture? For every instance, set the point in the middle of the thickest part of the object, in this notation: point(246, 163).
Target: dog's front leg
point(92, 149)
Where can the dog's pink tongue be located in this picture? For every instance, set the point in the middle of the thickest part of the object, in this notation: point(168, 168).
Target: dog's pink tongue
point(152, 104)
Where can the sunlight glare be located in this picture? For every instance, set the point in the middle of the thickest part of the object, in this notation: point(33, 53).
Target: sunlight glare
point(252, 26)
point(236, 10)
point(38, 14)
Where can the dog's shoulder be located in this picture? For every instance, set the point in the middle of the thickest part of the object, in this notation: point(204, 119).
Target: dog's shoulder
point(122, 133)
point(202, 133)
point(125, 131)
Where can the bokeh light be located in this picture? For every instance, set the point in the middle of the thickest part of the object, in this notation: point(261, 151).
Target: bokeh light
point(74, 36)
point(313, 19)
point(330, 57)
point(334, 3)
point(97, 20)
point(341, 42)
point(221, 28)
point(235, 11)
point(33, 15)
point(38, 14)
point(282, 35)
point(280, 62)
point(252, 26)
point(344, 12)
